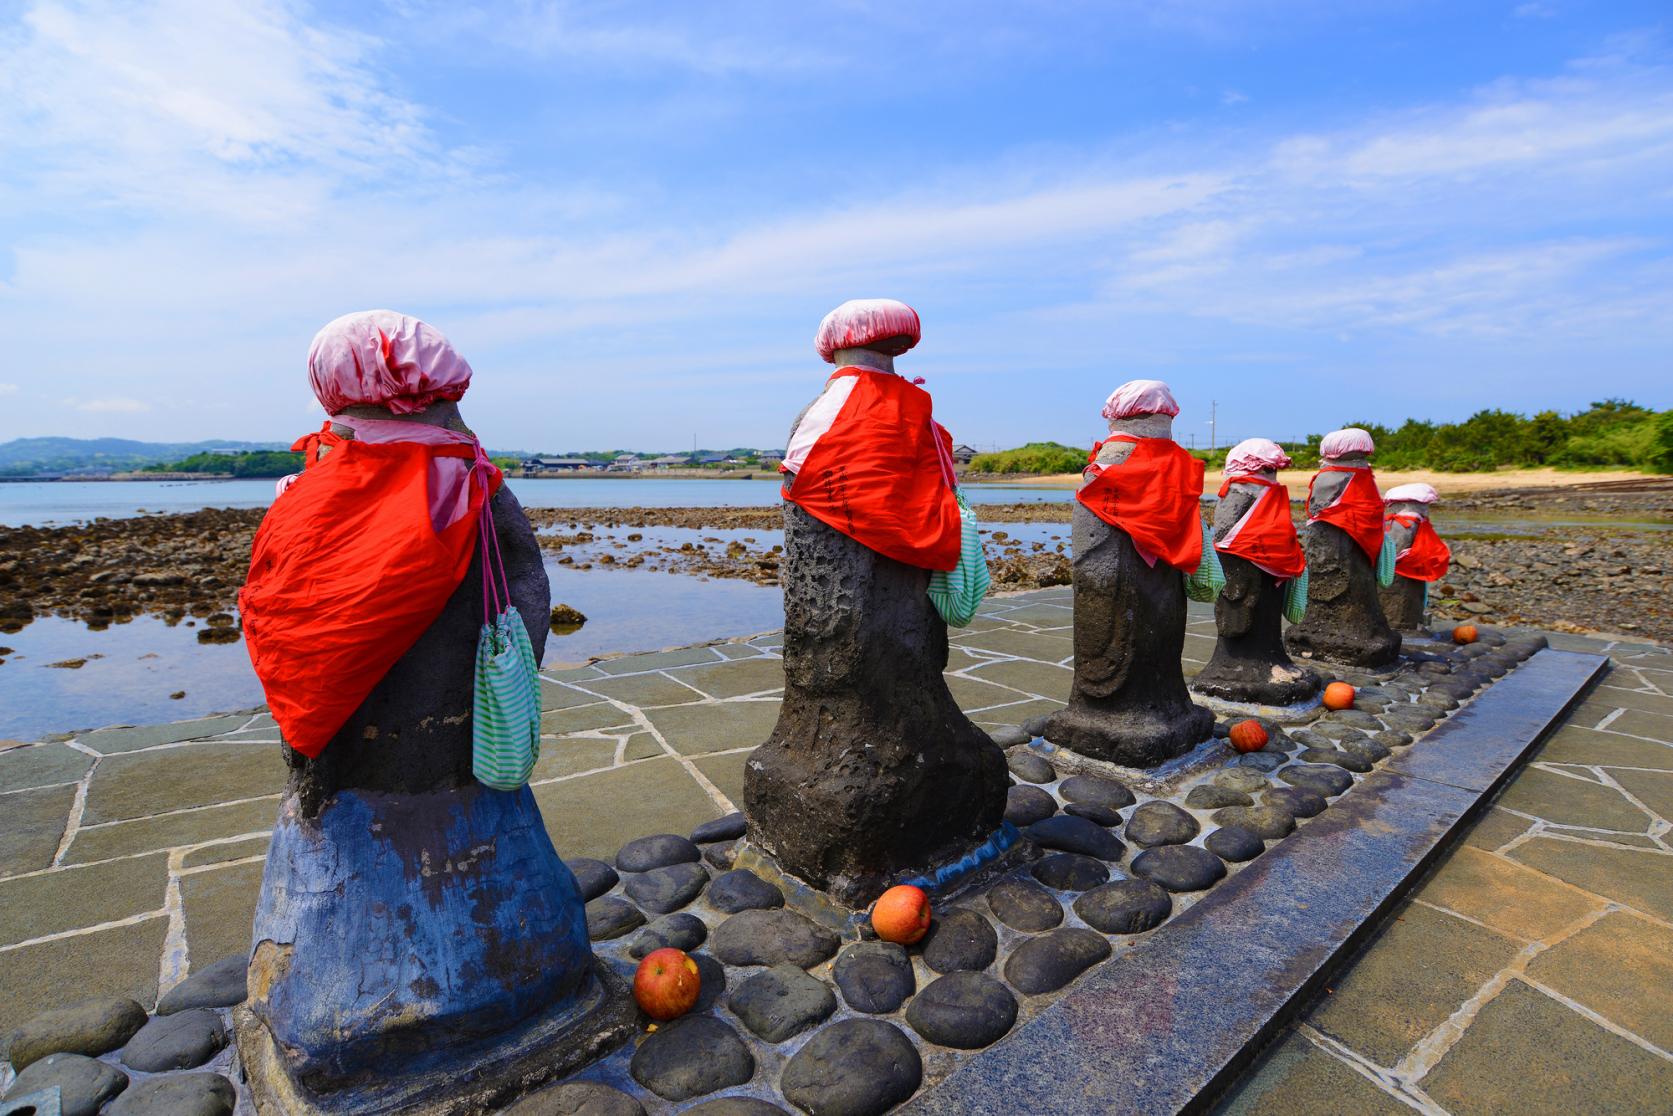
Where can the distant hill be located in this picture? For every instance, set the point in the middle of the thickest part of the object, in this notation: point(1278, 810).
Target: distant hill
point(32, 456)
point(28, 457)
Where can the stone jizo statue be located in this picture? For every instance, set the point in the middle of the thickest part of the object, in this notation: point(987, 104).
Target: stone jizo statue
point(417, 935)
point(1421, 557)
point(1345, 559)
point(872, 773)
point(1264, 568)
point(1138, 535)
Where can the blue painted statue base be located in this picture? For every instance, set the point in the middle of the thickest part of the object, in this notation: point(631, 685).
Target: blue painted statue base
point(465, 1079)
point(410, 938)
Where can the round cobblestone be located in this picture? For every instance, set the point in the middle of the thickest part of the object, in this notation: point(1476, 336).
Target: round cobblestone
point(964, 1010)
point(857, 1067)
point(1069, 871)
point(1181, 867)
point(1025, 905)
point(1125, 907)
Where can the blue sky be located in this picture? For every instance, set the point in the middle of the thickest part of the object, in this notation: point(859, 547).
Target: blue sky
point(631, 217)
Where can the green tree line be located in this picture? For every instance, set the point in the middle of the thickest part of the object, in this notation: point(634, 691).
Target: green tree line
point(255, 463)
point(1612, 434)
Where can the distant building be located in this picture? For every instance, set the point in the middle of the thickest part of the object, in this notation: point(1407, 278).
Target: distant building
point(713, 459)
point(771, 457)
point(626, 463)
point(535, 466)
point(668, 461)
point(962, 454)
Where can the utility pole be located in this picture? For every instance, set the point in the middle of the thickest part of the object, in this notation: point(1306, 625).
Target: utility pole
point(1213, 430)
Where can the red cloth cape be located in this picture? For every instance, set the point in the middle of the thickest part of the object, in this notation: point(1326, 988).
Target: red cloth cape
point(1265, 535)
point(1155, 496)
point(882, 474)
point(1428, 558)
point(346, 573)
point(1357, 511)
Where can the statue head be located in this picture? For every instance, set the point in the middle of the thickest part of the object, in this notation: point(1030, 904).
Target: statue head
point(1145, 408)
point(1258, 457)
point(1348, 446)
point(382, 364)
point(869, 332)
point(1410, 499)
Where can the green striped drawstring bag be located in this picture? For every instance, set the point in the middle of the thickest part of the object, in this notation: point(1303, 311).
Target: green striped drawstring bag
point(505, 736)
point(1205, 582)
point(958, 593)
point(1385, 562)
point(1295, 597)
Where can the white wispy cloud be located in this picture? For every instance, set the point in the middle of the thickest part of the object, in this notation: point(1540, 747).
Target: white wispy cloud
point(110, 405)
point(196, 107)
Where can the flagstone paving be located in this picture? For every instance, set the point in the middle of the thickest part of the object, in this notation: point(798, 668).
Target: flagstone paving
point(130, 855)
point(1530, 973)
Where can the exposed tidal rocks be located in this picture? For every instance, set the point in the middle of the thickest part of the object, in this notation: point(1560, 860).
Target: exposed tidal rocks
point(188, 567)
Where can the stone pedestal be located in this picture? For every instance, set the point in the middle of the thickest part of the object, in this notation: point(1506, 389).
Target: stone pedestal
point(1404, 602)
point(1344, 621)
point(1129, 704)
point(1249, 663)
point(872, 774)
point(418, 944)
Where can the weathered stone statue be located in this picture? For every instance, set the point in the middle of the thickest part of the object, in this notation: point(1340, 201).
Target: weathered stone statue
point(1262, 560)
point(872, 773)
point(1137, 535)
point(1421, 557)
point(418, 944)
point(1344, 540)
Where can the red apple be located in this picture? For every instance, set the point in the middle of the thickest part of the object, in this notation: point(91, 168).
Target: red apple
point(901, 914)
point(1248, 736)
point(666, 984)
point(1338, 695)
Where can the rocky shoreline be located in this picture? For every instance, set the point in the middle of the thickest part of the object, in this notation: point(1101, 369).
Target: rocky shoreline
point(187, 568)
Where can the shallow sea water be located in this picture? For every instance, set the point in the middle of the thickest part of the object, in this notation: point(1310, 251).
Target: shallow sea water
point(131, 669)
point(56, 503)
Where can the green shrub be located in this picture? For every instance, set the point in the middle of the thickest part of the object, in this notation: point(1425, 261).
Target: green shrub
point(255, 463)
point(1614, 434)
point(1611, 434)
point(1035, 457)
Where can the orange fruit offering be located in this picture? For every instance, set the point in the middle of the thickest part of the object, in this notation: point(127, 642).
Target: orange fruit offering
point(1248, 736)
point(666, 984)
point(1465, 633)
point(901, 914)
point(1338, 695)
